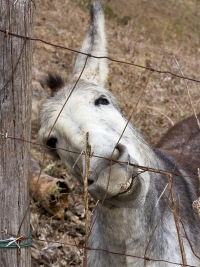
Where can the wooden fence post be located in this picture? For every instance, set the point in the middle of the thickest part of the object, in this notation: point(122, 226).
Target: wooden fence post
point(15, 116)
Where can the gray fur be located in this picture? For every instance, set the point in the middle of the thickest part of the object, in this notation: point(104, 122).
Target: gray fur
point(131, 210)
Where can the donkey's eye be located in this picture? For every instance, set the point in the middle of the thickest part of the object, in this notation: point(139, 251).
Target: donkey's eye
point(101, 101)
point(51, 142)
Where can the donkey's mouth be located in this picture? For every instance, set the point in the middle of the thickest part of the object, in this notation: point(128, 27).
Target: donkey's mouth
point(127, 186)
point(131, 190)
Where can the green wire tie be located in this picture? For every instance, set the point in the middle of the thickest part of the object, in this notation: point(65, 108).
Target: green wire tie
point(12, 242)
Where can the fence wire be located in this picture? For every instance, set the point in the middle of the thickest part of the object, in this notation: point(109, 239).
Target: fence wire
point(170, 201)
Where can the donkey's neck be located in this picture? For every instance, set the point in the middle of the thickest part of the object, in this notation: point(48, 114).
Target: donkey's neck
point(126, 231)
point(114, 222)
point(120, 223)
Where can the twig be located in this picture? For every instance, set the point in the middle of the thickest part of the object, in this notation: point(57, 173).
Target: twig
point(157, 110)
point(162, 194)
point(87, 217)
point(176, 220)
point(152, 234)
point(187, 237)
point(188, 92)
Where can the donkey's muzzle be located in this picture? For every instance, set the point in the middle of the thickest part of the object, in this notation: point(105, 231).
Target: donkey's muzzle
point(114, 178)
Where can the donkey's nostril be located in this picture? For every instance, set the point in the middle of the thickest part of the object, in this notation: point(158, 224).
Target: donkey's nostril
point(122, 152)
point(90, 182)
point(119, 151)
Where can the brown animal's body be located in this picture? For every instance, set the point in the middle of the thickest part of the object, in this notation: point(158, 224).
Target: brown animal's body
point(180, 140)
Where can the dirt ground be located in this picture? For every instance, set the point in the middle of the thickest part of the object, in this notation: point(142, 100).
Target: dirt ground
point(163, 35)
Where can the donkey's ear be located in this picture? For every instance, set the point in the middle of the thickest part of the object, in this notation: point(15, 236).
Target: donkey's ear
point(96, 70)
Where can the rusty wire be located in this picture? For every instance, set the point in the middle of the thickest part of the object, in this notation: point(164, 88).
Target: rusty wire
point(98, 57)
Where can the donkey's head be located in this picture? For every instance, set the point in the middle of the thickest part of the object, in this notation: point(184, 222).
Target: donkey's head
point(85, 106)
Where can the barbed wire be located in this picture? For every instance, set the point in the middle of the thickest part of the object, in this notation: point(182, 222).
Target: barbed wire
point(149, 169)
point(6, 32)
point(112, 252)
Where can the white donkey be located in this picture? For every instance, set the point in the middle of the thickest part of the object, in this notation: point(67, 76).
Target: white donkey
point(122, 234)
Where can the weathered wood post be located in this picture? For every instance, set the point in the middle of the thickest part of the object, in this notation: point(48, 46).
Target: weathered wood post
point(15, 116)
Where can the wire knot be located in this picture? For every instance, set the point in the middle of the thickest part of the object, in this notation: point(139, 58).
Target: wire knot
point(14, 242)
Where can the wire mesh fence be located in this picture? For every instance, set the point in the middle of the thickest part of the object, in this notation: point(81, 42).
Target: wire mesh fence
point(172, 202)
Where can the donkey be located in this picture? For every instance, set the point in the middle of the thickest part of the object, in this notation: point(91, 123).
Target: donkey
point(133, 223)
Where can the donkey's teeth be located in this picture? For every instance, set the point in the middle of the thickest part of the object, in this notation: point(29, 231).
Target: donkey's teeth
point(126, 186)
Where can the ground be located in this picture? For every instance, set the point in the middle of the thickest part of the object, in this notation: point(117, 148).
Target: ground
point(162, 35)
